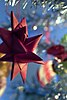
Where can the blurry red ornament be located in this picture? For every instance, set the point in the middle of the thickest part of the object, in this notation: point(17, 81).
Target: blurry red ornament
point(55, 50)
point(58, 51)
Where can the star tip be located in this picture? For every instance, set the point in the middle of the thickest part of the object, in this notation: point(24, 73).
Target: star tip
point(11, 78)
point(43, 62)
point(11, 11)
point(41, 35)
point(24, 17)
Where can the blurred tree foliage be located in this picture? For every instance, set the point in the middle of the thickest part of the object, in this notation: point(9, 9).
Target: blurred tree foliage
point(64, 41)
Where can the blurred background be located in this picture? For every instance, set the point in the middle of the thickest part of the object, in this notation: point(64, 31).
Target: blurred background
point(48, 17)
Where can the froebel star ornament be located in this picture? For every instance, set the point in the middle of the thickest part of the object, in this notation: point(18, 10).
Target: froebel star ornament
point(19, 48)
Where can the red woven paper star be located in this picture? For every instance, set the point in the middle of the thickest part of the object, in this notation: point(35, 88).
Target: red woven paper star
point(18, 47)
